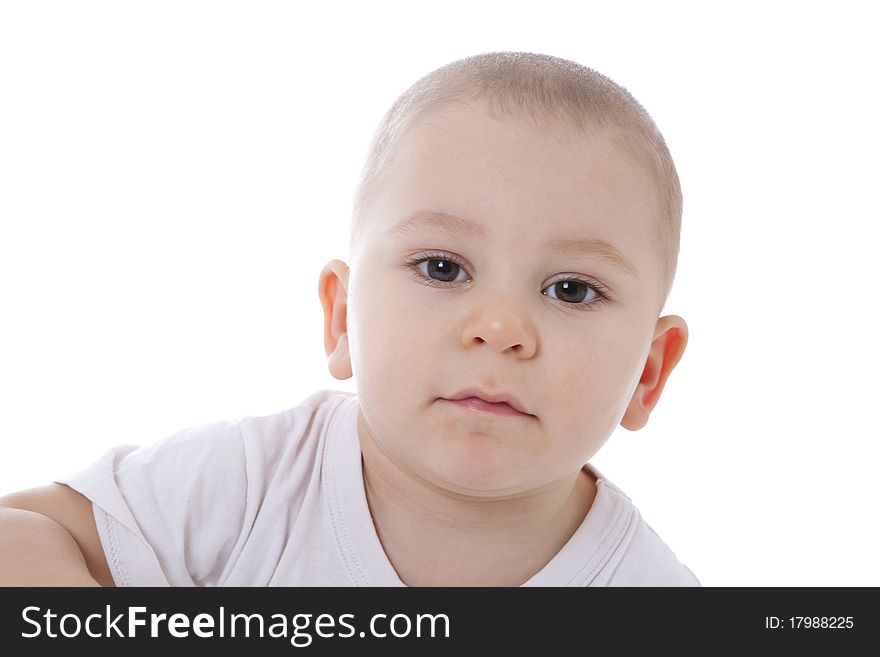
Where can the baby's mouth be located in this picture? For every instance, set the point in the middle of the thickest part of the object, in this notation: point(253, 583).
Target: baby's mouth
point(476, 404)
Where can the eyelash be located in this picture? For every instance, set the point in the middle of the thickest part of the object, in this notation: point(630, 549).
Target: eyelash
point(602, 292)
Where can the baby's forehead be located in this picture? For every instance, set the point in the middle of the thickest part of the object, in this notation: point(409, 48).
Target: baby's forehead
point(479, 116)
point(471, 134)
point(499, 167)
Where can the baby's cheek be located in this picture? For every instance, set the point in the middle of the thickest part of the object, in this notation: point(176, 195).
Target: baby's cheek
point(587, 406)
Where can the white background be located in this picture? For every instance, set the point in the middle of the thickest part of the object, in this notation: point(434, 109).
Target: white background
point(174, 175)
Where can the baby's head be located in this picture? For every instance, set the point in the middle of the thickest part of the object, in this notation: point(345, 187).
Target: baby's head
point(547, 95)
point(515, 232)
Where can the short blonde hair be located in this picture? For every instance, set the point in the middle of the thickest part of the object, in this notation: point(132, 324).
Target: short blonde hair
point(539, 88)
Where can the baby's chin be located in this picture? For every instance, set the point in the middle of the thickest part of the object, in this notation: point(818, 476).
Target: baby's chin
point(472, 466)
point(453, 453)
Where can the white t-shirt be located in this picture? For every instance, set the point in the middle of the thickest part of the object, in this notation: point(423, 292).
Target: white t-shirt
point(279, 501)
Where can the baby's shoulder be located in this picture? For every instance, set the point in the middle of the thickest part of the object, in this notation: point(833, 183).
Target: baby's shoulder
point(648, 561)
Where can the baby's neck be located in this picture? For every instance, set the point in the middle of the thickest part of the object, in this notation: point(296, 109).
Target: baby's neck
point(432, 540)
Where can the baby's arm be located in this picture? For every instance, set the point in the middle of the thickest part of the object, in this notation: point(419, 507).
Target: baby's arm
point(48, 537)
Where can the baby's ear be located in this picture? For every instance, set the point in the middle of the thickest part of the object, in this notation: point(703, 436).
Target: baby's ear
point(333, 292)
point(667, 347)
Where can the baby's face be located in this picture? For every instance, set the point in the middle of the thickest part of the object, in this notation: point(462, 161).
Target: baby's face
point(505, 308)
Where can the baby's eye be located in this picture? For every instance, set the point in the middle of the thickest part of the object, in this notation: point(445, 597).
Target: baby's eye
point(573, 290)
point(442, 270)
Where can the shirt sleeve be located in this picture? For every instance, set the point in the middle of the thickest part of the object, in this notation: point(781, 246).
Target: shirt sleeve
point(648, 561)
point(171, 513)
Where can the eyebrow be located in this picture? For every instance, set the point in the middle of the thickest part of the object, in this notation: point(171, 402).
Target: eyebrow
point(455, 226)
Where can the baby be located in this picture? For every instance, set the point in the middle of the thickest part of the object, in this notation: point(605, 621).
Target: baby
point(514, 238)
